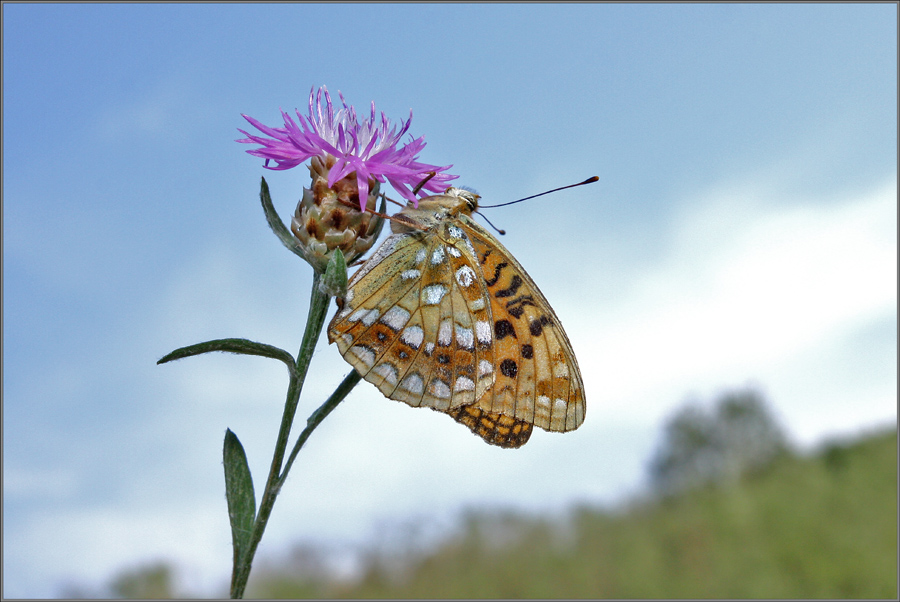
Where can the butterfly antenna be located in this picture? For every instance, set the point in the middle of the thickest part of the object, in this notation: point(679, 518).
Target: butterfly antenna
point(423, 182)
point(381, 213)
point(588, 181)
point(499, 231)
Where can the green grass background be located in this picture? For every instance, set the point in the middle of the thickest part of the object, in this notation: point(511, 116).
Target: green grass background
point(822, 526)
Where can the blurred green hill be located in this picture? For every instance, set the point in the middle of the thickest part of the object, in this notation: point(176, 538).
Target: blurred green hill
point(806, 527)
point(820, 526)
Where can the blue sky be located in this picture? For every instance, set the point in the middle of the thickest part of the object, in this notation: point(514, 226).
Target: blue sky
point(743, 233)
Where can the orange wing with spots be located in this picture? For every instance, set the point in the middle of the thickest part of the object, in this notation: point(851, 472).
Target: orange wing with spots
point(537, 377)
point(442, 316)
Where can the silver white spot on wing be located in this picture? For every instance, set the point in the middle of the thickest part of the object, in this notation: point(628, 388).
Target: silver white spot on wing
point(469, 246)
point(439, 389)
point(366, 316)
point(437, 255)
point(365, 354)
point(483, 332)
point(542, 409)
point(396, 318)
point(433, 293)
point(464, 383)
point(410, 274)
point(484, 367)
point(465, 276)
point(413, 336)
point(464, 337)
point(413, 383)
point(445, 333)
point(559, 406)
point(388, 372)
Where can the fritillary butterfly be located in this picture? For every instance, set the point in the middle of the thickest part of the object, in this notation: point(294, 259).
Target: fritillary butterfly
point(443, 316)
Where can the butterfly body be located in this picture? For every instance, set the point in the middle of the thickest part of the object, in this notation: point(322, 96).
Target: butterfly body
point(443, 316)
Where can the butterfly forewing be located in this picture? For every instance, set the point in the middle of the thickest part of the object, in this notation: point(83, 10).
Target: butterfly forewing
point(443, 316)
point(537, 379)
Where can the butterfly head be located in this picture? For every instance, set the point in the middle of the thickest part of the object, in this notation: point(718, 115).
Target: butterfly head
point(465, 194)
point(434, 210)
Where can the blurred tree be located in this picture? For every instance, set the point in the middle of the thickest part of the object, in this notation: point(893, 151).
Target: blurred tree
point(153, 581)
point(737, 437)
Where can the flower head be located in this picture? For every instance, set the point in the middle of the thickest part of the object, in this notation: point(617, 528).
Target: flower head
point(371, 148)
point(325, 219)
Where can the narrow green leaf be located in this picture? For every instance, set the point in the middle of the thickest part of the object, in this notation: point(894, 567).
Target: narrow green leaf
point(334, 282)
point(232, 346)
point(275, 223)
point(240, 496)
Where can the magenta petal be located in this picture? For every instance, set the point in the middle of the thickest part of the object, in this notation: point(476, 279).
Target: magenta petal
point(371, 148)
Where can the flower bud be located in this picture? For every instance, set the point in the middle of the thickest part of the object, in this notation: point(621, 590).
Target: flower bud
point(329, 218)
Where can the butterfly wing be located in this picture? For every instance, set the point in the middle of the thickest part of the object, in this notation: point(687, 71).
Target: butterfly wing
point(415, 322)
point(537, 377)
point(444, 317)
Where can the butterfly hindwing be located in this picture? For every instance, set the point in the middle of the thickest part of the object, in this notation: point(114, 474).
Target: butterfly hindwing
point(496, 429)
point(380, 301)
point(410, 326)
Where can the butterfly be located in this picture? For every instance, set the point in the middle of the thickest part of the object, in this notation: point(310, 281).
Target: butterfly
point(443, 316)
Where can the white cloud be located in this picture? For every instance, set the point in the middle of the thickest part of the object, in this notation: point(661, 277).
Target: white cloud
point(745, 288)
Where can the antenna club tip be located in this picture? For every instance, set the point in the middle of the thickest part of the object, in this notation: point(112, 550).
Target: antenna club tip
point(591, 179)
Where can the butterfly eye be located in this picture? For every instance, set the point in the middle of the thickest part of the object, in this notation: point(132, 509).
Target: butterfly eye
point(471, 198)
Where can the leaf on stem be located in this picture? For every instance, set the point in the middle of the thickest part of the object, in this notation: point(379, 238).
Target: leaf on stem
point(275, 223)
point(232, 346)
point(240, 496)
point(334, 282)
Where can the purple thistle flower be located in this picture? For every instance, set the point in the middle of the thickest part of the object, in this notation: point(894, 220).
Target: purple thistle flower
point(369, 148)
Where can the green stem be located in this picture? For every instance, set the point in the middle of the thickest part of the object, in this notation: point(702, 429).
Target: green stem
point(318, 308)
